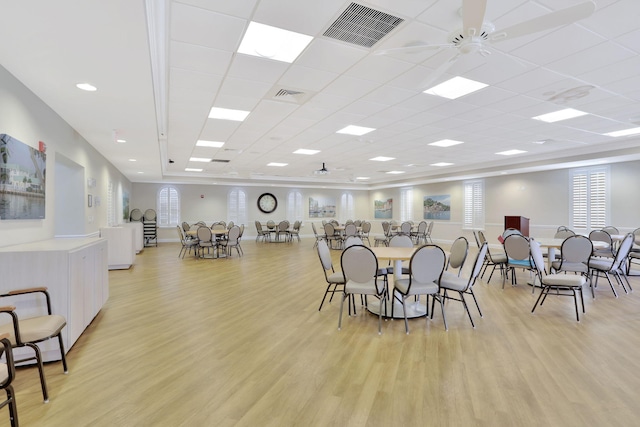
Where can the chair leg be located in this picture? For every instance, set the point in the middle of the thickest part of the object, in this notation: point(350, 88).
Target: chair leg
point(43, 382)
point(62, 355)
point(11, 402)
point(538, 300)
point(404, 311)
point(475, 300)
point(344, 296)
point(466, 307)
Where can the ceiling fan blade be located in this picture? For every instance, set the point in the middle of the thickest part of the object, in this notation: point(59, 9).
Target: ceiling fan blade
point(414, 48)
point(473, 16)
point(546, 22)
point(438, 72)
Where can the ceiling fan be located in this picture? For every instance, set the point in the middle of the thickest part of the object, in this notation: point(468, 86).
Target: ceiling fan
point(476, 34)
point(322, 171)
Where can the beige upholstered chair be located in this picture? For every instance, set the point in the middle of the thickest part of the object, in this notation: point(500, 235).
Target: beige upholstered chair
point(607, 266)
point(205, 239)
point(360, 268)
point(426, 267)
point(28, 332)
point(457, 256)
point(232, 241)
point(561, 284)
point(7, 374)
point(492, 259)
point(187, 244)
point(602, 236)
point(334, 279)
point(450, 282)
point(516, 247)
point(574, 256)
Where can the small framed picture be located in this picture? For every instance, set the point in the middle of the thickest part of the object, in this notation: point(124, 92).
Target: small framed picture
point(90, 200)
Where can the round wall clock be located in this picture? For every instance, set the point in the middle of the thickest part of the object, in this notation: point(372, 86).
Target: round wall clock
point(267, 202)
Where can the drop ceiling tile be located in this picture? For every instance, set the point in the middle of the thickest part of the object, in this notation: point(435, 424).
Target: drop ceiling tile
point(630, 40)
point(310, 18)
point(239, 8)
point(199, 58)
point(200, 27)
point(583, 61)
point(305, 78)
point(615, 19)
point(330, 56)
point(259, 69)
point(378, 68)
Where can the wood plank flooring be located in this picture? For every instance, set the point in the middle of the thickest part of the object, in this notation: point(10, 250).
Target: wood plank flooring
point(240, 342)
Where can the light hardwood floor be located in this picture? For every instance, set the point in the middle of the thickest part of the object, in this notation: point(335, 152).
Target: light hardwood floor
point(240, 342)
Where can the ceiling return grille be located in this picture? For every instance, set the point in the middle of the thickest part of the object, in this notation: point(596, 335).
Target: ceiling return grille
point(362, 26)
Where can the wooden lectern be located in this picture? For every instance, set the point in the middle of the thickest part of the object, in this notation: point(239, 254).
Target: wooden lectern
point(518, 222)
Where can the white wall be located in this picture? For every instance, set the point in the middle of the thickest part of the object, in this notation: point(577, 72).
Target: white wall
point(26, 118)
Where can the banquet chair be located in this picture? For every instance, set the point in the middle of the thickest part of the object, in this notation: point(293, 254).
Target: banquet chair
point(493, 260)
point(264, 234)
point(334, 279)
point(516, 247)
point(350, 230)
point(611, 229)
point(352, 240)
point(365, 229)
point(421, 233)
point(405, 228)
point(283, 230)
point(316, 235)
point(232, 241)
point(428, 233)
point(400, 241)
point(634, 253)
point(28, 332)
point(240, 239)
point(384, 239)
point(7, 374)
point(562, 284)
point(205, 239)
point(461, 285)
point(334, 239)
point(295, 230)
point(563, 234)
point(425, 268)
point(457, 256)
point(574, 256)
point(510, 231)
point(271, 227)
point(602, 236)
point(187, 244)
point(606, 266)
point(360, 267)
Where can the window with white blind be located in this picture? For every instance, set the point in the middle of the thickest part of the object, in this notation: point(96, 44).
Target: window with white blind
point(589, 198)
point(295, 210)
point(347, 210)
point(406, 204)
point(237, 207)
point(168, 207)
point(473, 218)
point(111, 205)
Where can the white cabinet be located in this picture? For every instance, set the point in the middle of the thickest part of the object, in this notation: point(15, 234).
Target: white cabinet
point(76, 275)
point(138, 235)
point(120, 245)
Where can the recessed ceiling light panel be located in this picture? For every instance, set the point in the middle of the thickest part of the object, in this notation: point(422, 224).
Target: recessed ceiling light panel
point(86, 86)
point(200, 159)
point(511, 152)
point(442, 164)
point(455, 88)
point(382, 159)
point(274, 43)
point(395, 172)
point(305, 151)
point(556, 116)
point(624, 132)
point(211, 144)
point(277, 164)
point(446, 143)
point(355, 130)
point(228, 114)
point(192, 170)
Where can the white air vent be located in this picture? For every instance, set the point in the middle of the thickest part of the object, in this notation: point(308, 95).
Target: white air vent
point(362, 26)
point(296, 96)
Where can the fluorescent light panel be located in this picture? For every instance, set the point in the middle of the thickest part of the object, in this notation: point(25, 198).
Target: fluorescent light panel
point(382, 159)
point(355, 130)
point(228, 114)
point(277, 164)
point(442, 164)
point(624, 132)
point(362, 177)
point(455, 88)
point(446, 143)
point(192, 170)
point(211, 144)
point(86, 86)
point(199, 159)
point(274, 43)
point(556, 116)
point(305, 151)
point(511, 152)
point(395, 172)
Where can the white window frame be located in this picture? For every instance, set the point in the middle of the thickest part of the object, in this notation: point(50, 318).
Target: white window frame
point(295, 208)
point(168, 211)
point(111, 206)
point(347, 207)
point(589, 193)
point(237, 206)
point(406, 204)
point(473, 214)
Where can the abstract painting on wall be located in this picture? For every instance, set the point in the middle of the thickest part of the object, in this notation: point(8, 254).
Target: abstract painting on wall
point(437, 207)
point(322, 208)
point(383, 209)
point(22, 180)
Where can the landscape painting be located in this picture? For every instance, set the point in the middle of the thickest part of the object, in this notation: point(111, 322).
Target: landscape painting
point(383, 209)
point(437, 207)
point(322, 208)
point(22, 180)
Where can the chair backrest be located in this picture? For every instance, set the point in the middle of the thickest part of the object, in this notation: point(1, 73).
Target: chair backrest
point(325, 256)
point(283, 226)
point(358, 223)
point(426, 265)
point(185, 226)
point(509, 231)
point(360, 265)
point(350, 230)
point(405, 228)
point(386, 227)
point(430, 228)
point(180, 234)
point(623, 251)
point(353, 240)
point(576, 249)
point(600, 236)
point(562, 228)
point(636, 236)
point(231, 224)
point(241, 230)
point(516, 246)
point(329, 230)
point(422, 227)
point(135, 215)
point(458, 254)
point(150, 215)
point(271, 224)
point(313, 227)
point(218, 226)
point(204, 234)
point(200, 224)
point(610, 229)
point(401, 241)
point(536, 257)
point(563, 234)
point(477, 266)
point(349, 221)
point(258, 226)
point(234, 233)
point(296, 225)
point(366, 227)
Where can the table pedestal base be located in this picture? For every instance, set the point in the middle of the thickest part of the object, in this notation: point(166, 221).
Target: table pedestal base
point(414, 309)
